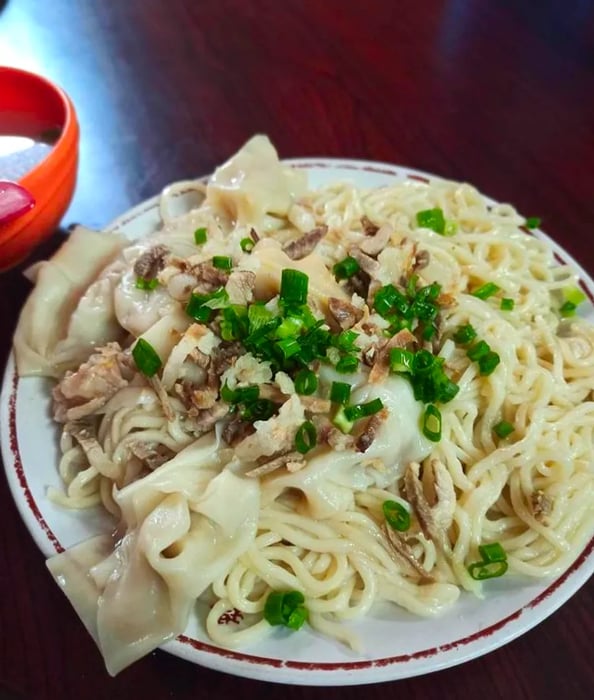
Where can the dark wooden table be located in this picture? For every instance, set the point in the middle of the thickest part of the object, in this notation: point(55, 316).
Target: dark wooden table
point(499, 94)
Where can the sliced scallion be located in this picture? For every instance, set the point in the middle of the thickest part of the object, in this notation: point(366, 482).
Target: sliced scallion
point(464, 334)
point(432, 423)
point(222, 262)
point(486, 290)
point(146, 285)
point(294, 285)
point(306, 437)
point(363, 410)
point(246, 244)
point(200, 235)
point(432, 219)
point(306, 382)
point(532, 222)
point(340, 392)
point(346, 268)
point(146, 358)
point(396, 515)
point(503, 429)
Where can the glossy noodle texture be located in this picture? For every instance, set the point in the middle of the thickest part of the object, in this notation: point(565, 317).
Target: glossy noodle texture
point(202, 464)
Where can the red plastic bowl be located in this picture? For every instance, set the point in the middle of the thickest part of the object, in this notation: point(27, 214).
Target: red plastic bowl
point(28, 97)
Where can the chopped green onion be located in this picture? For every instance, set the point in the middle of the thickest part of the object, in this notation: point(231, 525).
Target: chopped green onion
point(347, 364)
point(492, 564)
point(532, 222)
point(222, 262)
point(147, 285)
point(201, 306)
point(346, 268)
point(258, 316)
point(289, 327)
point(340, 392)
point(200, 235)
point(503, 429)
point(451, 228)
point(306, 437)
point(568, 309)
point(429, 332)
point(492, 552)
point(432, 423)
point(146, 358)
point(483, 570)
point(422, 362)
point(446, 389)
point(431, 292)
point(346, 340)
point(465, 334)
point(388, 299)
point(240, 395)
point(478, 350)
point(363, 410)
point(261, 409)
point(411, 286)
point(342, 422)
point(487, 290)
point(294, 286)
point(306, 382)
point(401, 360)
point(488, 362)
point(246, 245)
point(396, 515)
point(289, 347)
point(286, 609)
point(573, 298)
point(432, 219)
point(507, 304)
point(574, 295)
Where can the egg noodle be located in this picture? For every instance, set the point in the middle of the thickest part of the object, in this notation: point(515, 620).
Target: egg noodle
point(202, 512)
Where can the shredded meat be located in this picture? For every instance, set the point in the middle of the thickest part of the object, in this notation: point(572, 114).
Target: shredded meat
point(163, 397)
point(84, 433)
point(404, 551)
point(208, 277)
point(240, 287)
point(293, 461)
point(373, 245)
point(366, 262)
point(196, 399)
point(344, 313)
point(369, 228)
point(305, 245)
point(236, 430)
point(421, 260)
point(223, 357)
point(82, 392)
point(151, 454)
point(314, 404)
point(381, 358)
point(205, 420)
point(254, 235)
point(542, 505)
point(434, 521)
point(365, 440)
point(359, 284)
point(150, 263)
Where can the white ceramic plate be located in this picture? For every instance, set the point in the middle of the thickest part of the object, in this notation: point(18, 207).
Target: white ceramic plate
point(397, 644)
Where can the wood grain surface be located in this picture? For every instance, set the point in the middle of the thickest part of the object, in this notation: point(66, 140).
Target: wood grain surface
point(497, 93)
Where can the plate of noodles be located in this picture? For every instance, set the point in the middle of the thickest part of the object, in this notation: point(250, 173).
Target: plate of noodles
point(315, 421)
